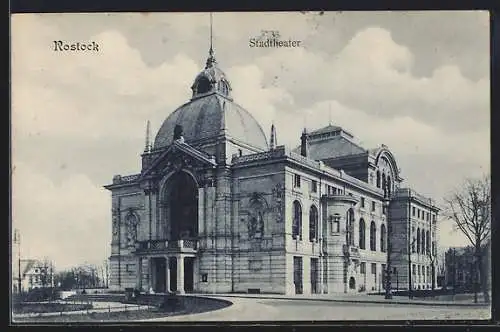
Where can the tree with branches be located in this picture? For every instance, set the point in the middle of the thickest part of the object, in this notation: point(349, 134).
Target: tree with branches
point(470, 209)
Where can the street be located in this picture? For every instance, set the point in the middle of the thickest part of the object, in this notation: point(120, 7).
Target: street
point(251, 309)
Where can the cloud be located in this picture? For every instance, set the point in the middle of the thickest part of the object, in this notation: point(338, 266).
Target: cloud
point(67, 222)
point(373, 73)
point(100, 95)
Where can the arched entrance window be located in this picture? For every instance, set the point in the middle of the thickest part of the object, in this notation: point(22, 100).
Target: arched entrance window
point(350, 227)
point(418, 240)
point(389, 186)
point(362, 237)
point(373, 236)
point(383, 235)
point(183, 206)
point(313, 224)
point(297, 221)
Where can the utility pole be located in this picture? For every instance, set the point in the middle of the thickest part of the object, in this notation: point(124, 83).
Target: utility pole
point(17, 240)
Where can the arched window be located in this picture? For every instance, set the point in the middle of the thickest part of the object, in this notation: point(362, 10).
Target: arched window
point(384, 185)
point(203, 85)
point(350, 227)
point(383, 235)
point(373, 236)
point(428, 243)
point(423, 242)
point(418, 240)
point(297, 220)
point(378, 179)
point(313, 224)
point(362, 237)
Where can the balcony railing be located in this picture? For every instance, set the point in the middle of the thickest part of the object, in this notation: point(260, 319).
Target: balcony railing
point(190, 244)
point(351, 251)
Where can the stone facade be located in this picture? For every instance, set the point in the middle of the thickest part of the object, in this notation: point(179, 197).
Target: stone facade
point(215, 209)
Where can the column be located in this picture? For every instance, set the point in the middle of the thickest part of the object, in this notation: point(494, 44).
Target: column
point(321, 289)
point(150, 273)
point(167, 275)
point(180, 274)
point(138, 273)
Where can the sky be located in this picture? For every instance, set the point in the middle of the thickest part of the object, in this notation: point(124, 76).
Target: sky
point(417, 82)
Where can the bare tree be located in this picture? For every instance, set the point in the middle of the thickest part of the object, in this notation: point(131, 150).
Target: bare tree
point(470, 209)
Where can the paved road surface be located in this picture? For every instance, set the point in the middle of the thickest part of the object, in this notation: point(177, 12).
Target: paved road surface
point(251, 309)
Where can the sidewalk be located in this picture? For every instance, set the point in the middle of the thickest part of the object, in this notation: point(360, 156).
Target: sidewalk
point(353, 298)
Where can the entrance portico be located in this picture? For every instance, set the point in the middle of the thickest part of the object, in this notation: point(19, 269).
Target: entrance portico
point(166, 273)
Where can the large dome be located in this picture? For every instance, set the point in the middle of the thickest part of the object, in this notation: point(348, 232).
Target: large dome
point(210, 116)
point(211, 112)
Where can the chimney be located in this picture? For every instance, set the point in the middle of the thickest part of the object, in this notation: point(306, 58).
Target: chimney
point(304, 146)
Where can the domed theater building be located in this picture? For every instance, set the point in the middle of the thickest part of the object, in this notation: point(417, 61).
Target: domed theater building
point(219, 208)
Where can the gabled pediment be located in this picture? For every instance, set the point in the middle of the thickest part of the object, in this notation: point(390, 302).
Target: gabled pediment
point(179, 155)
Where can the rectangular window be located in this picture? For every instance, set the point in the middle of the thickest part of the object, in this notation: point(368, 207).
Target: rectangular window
point(427, 216)
point(296, 181)
point(418, 213)
point(374, 268)
point(413, 269)
point(384, 210)
point(413, 211)
point(373, 206)
point(362, 202)
point(335, 224)
point(314, 186)
point(433, 218)
point(418, 270)
point(362, 268)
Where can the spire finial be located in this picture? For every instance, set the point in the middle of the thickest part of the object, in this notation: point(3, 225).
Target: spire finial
point(147, 147)
point(273, 141)
point(211, 58)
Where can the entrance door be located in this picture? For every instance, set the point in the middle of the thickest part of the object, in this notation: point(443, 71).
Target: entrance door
point(173, 273)
point(188, 274)
point(297, 274)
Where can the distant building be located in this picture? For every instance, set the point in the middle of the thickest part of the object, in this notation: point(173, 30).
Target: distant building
point(34, 274)
point(217, 207)
point(460, 267)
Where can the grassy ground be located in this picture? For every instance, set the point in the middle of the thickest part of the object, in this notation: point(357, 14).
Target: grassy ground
point(192, 306)
point(21, 308)
point(101, 316)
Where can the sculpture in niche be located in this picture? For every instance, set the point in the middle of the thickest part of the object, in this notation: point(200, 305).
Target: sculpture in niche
point(256, 218)
point(131, 224)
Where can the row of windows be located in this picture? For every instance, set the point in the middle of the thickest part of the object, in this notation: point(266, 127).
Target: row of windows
point(416, 212)
point(421, 244)
point(331, 190)
point(297, 222)
point(335, 228)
